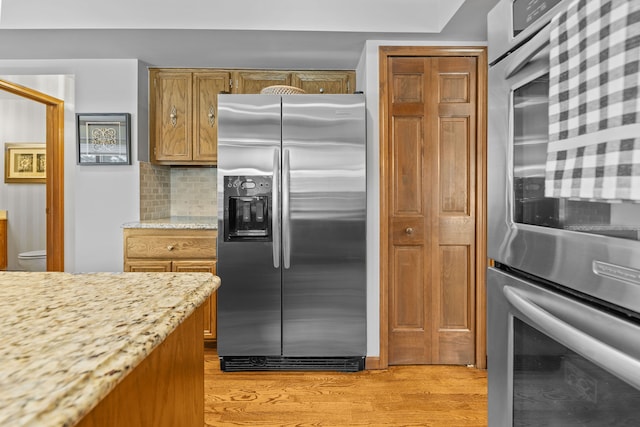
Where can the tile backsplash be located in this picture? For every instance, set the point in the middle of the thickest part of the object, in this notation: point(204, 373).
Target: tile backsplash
point(155, 191)
point(177, 191)
point(193, 191)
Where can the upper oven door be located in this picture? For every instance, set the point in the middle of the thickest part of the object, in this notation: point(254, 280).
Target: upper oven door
point(511, 22)
point(590, 246)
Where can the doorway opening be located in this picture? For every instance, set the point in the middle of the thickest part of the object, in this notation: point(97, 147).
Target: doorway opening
point(54, 170)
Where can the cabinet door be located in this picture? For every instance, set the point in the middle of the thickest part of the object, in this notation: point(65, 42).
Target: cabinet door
point(153, 266)
point(3, 244)
point(173, 122)
point(324, 81)
point(255, 81)
point(206, 87)
point(211, 302)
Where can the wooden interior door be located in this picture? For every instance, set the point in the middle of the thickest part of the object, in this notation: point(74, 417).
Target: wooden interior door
point(431, 185)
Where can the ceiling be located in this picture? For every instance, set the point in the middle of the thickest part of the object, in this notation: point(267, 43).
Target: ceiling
point(308, 40)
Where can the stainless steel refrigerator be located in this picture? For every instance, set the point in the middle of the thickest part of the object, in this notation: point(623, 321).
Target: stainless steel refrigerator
point(291, 232)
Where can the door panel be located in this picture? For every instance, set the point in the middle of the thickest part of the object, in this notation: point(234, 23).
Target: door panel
point(173, 116)
point(409, 309)
point(249, 306)
point(324, 289)
point(454, 302)
point(211, 302)
point(252, 82)
point(206, 87)
point(407, 162)
point(454, 165)
point(432, 223)
point(408, 302)
point(324, 82)
point(454, 285)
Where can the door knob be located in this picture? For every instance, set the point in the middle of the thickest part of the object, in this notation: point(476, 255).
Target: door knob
point(409, 230)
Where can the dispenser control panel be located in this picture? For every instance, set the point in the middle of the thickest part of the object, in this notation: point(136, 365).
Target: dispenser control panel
point(247, 208)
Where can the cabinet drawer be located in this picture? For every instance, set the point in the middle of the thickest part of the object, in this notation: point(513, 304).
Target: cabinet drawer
point(170, 246)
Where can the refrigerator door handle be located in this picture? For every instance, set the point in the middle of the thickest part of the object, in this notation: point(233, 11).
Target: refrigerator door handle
point(275, 208)
point(286, 220)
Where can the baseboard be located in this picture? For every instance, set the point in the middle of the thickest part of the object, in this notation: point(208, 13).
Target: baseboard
point(372, 363)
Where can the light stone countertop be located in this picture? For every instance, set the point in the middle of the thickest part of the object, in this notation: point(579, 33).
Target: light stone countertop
point(177, 222)
point(69, 339)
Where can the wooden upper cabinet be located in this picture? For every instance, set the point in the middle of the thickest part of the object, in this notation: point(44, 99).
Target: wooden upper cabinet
point(256, 80)
point(206, 87)
point(183, 104)
point(183, 110)
point(172, 116)
point(324, 81)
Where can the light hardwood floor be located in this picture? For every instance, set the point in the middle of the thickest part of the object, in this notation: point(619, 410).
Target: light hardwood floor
point(430, 396)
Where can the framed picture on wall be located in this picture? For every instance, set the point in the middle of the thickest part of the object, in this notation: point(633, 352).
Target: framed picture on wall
point(25, 163)
point(104, 138)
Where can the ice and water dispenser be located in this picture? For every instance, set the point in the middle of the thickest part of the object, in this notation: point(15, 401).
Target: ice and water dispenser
point(247, 208)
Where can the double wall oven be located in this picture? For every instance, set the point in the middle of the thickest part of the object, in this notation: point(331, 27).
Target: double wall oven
point(564, 285)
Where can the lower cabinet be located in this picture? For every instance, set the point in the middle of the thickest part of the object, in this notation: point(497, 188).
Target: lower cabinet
point(163, 250)
point(3, 240)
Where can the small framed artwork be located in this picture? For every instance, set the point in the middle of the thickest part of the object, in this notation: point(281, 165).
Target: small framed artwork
point(25, 163)
point(104, 138)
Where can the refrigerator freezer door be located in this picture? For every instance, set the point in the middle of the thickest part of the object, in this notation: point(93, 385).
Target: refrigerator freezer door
point(324, 286)
point(249, 306)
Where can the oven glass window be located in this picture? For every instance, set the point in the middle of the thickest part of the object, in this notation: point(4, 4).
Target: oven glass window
point(554, 386)
point(530, 140)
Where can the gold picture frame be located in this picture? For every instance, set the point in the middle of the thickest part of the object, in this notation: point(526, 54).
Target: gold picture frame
point(25, 163)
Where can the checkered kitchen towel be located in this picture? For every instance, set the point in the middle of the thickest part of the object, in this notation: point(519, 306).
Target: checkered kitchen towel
point(594, 102)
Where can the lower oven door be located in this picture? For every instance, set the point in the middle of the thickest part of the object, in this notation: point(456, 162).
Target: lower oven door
point(555, 360)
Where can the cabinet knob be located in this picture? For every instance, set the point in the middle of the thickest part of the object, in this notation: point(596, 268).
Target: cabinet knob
point(212, 116)
point(173, 116)
point(409, 230)
point(170, 247)
point(321, 90)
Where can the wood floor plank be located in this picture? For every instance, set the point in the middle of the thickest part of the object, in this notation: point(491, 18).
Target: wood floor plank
point(428, 396)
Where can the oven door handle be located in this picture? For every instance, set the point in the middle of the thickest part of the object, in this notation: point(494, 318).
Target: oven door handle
point(522, 56)
point(609, 358)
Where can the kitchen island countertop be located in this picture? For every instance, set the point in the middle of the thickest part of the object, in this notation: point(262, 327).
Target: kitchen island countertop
point(177, 222)
point(69, 339)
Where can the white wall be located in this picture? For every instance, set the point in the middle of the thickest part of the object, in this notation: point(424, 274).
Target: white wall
point(98, 199)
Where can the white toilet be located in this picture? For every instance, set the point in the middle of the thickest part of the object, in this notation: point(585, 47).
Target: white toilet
point(33, 260)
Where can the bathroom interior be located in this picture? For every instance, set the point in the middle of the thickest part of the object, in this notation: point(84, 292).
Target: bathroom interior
point(164, 191)
point(23, 121)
